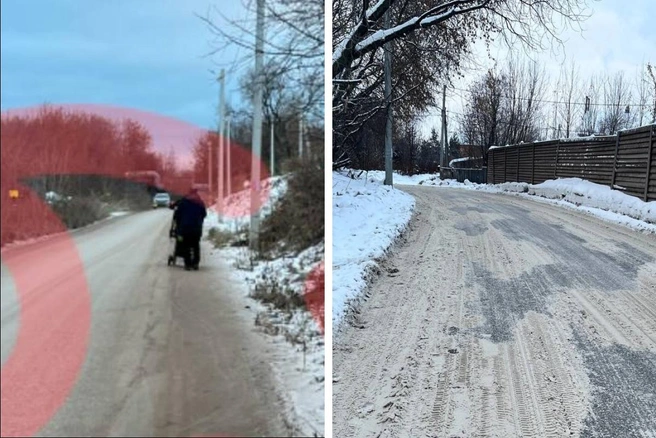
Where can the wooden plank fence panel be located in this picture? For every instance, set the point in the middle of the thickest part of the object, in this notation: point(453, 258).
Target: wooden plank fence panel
point(511, 163)
point(626, 162)
point(525, 164)
point(649, 162)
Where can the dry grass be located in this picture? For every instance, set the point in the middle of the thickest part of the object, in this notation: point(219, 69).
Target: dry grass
point(282, 298)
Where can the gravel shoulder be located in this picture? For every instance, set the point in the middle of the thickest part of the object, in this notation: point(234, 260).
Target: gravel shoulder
point(503, 317)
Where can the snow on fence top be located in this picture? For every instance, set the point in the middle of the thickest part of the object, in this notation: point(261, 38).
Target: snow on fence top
point(562, 140)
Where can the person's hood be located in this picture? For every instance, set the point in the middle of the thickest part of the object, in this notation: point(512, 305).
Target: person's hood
point(195, 197)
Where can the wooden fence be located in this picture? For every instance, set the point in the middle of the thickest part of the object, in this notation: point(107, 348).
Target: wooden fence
point(625, 162)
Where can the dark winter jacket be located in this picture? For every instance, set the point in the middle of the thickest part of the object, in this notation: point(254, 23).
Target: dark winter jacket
point(189, 215)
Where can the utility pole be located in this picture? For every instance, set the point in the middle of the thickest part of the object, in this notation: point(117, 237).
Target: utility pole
point(209, 166)
point(306, 136)
point(272, 154)
point(389, 178)
point(555, 113)
point(229, 161)
point(443, 163)
point(257, 130)
point(221, 154)
point(300, 135)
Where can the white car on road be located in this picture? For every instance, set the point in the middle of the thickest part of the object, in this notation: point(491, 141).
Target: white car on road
point(161, 200)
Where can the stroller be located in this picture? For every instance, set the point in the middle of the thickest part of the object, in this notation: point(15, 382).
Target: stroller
point(176, 248)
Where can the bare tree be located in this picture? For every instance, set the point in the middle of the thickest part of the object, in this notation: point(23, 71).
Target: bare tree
point(617, 113)
point(284, 103)
point(569, 109)
point(527, 20)
point(521, 108)
point(481, 120)
point(504, 107)
point(652, 75)
point(295, 32)
point(294, 49)
point(642, 93)
point(407, 149)
point(439, 35)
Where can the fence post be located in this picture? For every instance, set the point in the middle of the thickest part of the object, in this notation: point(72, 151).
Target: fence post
point(533, 165)
point(556, 165)
point(519, 148)
point(490, 164)
point(650, 148)
point(617, 147)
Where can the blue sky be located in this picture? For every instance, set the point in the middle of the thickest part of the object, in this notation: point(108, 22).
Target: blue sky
point(143, 54)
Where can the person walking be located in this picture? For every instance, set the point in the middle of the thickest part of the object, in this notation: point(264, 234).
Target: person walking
point(190, 212)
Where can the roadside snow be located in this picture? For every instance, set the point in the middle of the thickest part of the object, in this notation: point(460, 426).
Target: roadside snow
point(594, 199)
point(238, 206)
point(405, 180)
point(367, 217)
point(299, 347)
point(588, 194)
point(297, 342)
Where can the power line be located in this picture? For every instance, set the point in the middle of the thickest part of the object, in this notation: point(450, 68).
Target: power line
point(559, 102)
point(503, 122)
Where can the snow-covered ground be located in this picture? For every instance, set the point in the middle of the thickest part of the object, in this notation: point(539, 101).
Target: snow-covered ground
point(379, 175)
point(367, 218)
point(295, 336)
point(237, 206)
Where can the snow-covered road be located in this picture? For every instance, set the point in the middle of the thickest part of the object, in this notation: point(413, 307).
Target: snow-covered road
point(503, 317)
point(169, 352)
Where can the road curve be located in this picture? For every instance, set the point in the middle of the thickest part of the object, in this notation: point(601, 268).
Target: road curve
point(503, 317)
point(169, 352)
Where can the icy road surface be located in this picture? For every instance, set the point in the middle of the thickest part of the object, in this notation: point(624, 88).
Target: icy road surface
point(503, 317)
point(170, 352)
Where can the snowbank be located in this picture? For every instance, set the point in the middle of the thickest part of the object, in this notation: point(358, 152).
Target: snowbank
point(367, 218)
point(404, 180)
point(299, 346)
point(237, 206)
point(299, 352)
point(588, 194)
point(594, 199)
